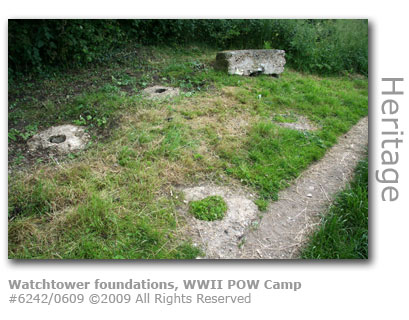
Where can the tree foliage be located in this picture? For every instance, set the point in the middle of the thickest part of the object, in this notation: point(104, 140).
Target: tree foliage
point(320, 46)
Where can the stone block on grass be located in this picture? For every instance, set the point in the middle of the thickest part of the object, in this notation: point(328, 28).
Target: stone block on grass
point(251, 62)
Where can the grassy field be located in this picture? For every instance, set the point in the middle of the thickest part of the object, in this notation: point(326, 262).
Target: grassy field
point(343, 233)
point(119, 198)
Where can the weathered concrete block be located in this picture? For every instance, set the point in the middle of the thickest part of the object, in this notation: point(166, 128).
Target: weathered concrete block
point(251, 62)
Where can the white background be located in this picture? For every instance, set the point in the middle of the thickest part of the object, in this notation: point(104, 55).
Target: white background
point(335, 290)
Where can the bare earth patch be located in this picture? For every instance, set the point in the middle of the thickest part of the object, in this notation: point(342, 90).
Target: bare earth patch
point(285, 227)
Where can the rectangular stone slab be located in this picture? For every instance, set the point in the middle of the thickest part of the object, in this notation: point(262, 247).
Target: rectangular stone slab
point(251, 62)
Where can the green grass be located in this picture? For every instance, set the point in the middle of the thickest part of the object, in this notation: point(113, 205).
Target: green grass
point(269, 162)
point(343, 233)
point(208, 209)
point(118, 198)
point(86, 217)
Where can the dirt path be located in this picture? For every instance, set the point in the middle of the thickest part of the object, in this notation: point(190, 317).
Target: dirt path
point(288, 221)
point(284, 228)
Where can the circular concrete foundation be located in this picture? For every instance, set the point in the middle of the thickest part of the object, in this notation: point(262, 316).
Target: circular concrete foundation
point(62, 139)
point(160, 92)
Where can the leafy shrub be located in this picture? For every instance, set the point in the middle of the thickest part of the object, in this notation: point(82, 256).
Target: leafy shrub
point(326, 46)
point(37, 44)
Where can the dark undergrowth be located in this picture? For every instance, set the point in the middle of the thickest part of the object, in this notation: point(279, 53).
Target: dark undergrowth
point(324, 46)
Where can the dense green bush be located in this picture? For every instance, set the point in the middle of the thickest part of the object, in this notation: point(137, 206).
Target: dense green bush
point(35, 45)
point(323, 46)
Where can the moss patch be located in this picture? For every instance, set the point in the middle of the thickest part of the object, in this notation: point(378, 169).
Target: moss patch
point(209, 209)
